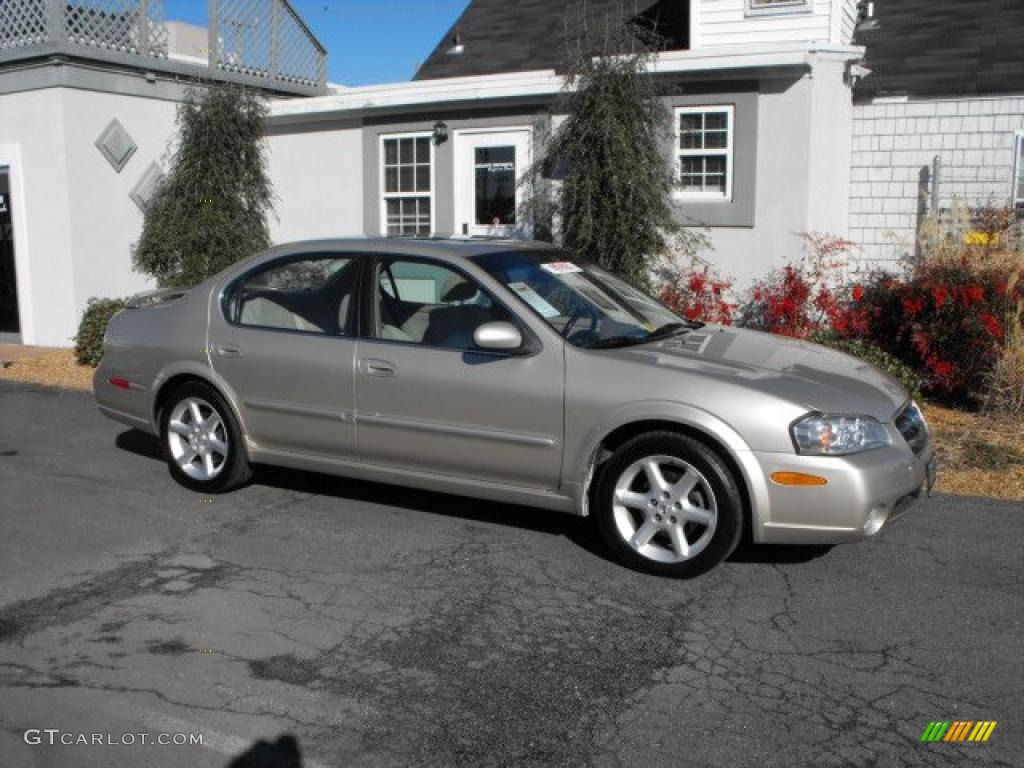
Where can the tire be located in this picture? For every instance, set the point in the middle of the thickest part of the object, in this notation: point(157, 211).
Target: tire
point(218, 463)
point(685, 522)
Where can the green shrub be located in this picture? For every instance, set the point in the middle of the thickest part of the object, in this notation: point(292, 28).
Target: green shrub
point(615, 202)
point(211, 209)
point(875, 356)
point(89, 341)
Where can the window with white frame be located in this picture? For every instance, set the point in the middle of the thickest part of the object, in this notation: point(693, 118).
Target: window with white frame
point(1018, 173)
point(777, 6)
point(705, 151)
point(407, 181)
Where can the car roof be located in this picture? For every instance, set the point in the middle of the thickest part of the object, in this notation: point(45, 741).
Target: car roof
point(466, 248)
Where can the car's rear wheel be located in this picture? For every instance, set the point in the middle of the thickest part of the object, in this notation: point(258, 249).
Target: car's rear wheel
point(667, 504)
point(201, 440)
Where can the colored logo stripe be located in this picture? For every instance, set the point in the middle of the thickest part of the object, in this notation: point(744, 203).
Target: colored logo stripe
point(958, 730)
point(982, 730)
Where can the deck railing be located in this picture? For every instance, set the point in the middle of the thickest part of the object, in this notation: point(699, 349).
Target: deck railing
point(263, 42)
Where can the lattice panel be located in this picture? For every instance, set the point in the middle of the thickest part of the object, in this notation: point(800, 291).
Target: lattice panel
point(22, 22)
point(115, 25)
point(265, 39)
point(244, 28)
point(158, 34)
point(299, 59)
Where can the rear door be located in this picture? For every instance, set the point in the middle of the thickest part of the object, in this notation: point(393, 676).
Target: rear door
point(284, 342)
point(428, 401)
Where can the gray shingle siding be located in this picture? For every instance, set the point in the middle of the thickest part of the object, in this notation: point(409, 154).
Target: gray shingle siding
point(960, 63)
point(893, 142)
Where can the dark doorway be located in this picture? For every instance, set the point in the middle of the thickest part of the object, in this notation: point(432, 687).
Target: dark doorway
point(9, 322)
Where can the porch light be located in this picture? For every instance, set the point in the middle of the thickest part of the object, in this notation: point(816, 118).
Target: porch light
point(440, 132)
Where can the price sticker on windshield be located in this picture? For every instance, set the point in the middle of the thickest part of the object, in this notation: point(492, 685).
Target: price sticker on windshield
point(561, 268)
point(534, 299)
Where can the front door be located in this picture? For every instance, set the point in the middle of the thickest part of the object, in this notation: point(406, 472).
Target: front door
point(284, 342)
point(9, 322)
point(428, 402)
point(488, 168)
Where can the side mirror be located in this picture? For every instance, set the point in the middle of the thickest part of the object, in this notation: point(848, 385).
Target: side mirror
point(502, 337)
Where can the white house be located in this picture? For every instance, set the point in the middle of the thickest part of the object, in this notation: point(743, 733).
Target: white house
point(88, 97)
point(786, 118)
point(759, 92)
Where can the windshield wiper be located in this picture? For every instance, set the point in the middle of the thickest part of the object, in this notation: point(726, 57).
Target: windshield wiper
point(617, 341)
point(663, 332)
point(672, 329)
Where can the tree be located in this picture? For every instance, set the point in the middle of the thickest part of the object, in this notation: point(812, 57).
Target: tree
point(211, 209)
point(615, 202)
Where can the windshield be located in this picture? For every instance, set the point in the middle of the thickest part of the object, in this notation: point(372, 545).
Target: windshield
point(588, 306)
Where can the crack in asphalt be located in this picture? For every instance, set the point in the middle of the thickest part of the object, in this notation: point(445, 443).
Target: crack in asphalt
point(496, 675)
point(497, 664)
point(69, 605)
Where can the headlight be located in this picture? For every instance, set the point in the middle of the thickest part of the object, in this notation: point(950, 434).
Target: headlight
point(823, 434)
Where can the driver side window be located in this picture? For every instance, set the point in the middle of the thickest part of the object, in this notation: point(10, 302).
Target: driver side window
point(421, 302)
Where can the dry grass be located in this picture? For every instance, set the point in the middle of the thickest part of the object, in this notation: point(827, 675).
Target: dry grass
point(46, 367)
point(980, 455)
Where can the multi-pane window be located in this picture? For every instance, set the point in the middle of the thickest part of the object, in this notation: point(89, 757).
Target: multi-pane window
point(1018, 174)
point(408, 184)
point(705, 150)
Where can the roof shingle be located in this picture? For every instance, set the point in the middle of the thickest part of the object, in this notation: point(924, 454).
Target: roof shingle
point(525, 35)
point(945, 48)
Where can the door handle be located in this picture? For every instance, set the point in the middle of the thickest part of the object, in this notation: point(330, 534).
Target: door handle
point(228, 350)
point(378, 368)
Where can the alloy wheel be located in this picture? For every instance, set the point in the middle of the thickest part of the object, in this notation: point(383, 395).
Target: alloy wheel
point(664, 509)
point(198, 439)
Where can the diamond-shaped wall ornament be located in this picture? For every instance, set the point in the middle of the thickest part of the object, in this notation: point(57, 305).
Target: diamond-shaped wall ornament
point(146, 186)
point(116, 144)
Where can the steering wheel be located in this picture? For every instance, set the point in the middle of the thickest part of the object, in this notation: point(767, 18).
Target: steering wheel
point(571, 322)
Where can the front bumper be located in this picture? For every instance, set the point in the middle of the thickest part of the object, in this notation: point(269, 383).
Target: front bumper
point(863, 493)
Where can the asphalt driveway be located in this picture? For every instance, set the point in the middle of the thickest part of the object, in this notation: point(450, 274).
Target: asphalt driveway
point(380, 627)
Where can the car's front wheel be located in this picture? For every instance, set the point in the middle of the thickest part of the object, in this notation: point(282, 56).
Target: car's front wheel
point(201, 440)
point(667, 504)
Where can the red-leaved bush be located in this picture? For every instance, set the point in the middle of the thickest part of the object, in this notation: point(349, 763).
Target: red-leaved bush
point(699, 294)
point(803, 298)
point(946, 319)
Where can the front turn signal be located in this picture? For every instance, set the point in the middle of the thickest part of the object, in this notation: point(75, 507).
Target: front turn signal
point(797, 478)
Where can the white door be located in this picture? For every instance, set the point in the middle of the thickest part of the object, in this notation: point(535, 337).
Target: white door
point(489, 165)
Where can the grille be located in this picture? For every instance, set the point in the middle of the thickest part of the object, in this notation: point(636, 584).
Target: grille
point(912, 426)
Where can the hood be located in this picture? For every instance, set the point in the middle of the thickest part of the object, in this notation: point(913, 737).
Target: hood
point(807, 375)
